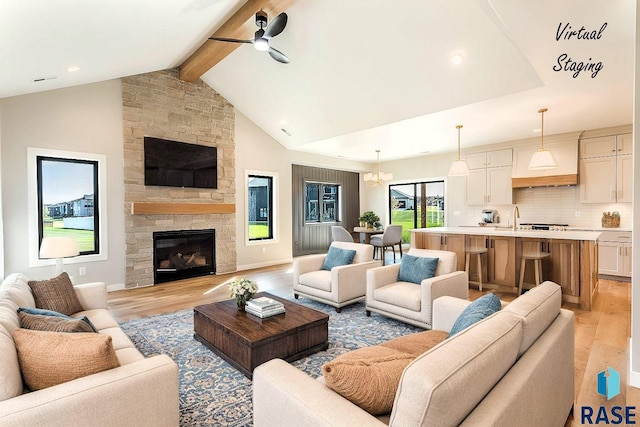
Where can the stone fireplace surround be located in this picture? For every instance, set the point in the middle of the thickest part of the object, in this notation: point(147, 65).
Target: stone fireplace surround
point(161, 105)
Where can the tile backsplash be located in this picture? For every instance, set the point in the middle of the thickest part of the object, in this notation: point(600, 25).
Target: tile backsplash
point(559, 205)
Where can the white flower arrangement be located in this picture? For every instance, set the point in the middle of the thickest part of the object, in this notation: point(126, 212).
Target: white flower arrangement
point(243, 289)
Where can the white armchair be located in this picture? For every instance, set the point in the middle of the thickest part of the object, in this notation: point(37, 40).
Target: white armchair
point(410, 302)
point(338, 287)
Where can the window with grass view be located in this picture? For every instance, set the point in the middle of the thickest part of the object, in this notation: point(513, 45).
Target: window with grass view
point(260, 207)
point(321, 202)
point(67, 195)
point(416, 205)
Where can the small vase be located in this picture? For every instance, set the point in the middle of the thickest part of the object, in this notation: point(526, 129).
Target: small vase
point(241, 301)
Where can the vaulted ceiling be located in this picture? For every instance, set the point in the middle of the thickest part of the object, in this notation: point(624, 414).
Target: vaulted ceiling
point(364, 74)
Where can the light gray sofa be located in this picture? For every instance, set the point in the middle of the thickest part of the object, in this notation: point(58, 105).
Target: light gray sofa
point(514, 368)
point(140, 392)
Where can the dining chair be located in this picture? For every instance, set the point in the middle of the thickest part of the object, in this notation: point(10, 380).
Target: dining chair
point(392, 236)
point(340, 234)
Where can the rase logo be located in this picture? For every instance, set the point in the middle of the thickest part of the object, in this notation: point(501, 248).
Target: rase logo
point(609, 387)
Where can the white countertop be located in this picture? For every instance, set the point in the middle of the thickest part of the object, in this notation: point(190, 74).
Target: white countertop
point(508, 232)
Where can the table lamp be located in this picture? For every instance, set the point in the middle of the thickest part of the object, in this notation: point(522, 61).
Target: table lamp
point(58, 248)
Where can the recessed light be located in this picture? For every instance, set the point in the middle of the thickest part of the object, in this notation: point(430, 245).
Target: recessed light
point(73, 69)
point(457, 58)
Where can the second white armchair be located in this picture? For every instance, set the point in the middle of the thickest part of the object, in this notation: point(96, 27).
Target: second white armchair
point(397, 290)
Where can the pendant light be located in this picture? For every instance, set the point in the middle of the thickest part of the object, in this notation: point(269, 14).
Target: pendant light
point(542, 158)
point(459, 167)
point(378, 178)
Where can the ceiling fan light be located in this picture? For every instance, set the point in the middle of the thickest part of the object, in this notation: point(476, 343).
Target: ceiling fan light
point(261, 44)
point(459, 168)
point(542, 159)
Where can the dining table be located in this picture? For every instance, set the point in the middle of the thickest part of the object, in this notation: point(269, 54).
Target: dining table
point(366, 233)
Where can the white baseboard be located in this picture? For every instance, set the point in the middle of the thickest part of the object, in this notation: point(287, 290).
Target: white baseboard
point(634, 376)
point(115, 287)
point(263, 264)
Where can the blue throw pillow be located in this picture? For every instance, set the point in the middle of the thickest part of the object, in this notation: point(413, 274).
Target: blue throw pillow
point(415, 269)
point(336, 257)
point(42, 312)
point(483, 307)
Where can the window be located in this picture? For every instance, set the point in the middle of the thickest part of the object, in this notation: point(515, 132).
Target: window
point(67, 190)
point(416, 205)
point(322, 203)
point(260, 206)
point(67, 195)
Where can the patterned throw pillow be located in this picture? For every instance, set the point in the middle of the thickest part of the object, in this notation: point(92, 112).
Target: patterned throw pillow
point(39, 322)
point(337, 256)
point(483, 307)
point(51, 358)
point(56, 294)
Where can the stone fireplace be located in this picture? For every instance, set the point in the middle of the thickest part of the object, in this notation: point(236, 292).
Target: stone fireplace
point(161, 105)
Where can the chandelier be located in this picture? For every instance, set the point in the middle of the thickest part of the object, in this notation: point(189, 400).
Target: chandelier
point(378, 178)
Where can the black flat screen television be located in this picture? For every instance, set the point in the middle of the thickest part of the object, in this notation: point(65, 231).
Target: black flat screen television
point(178, 164)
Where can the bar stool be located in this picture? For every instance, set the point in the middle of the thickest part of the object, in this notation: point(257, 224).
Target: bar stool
point(478, 252)
point(537, 263)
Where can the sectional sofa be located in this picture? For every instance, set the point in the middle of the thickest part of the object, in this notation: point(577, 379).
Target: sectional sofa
point(140, 392)
point(514, 368)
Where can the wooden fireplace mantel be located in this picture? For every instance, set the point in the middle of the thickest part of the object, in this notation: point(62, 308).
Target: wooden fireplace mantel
point(149, 208)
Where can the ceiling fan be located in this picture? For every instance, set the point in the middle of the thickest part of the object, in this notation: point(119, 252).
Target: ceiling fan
point(263, 35)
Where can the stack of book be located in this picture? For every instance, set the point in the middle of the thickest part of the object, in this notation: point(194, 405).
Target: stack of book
point(264, 307)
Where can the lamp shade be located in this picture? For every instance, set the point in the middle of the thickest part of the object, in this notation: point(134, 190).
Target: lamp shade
point(58, 247)
point(459, 168)
point(542, 159)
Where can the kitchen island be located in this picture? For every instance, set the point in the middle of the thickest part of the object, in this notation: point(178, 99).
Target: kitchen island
point(572, 262)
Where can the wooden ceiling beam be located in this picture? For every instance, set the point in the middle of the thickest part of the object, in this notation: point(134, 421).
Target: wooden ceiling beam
point(241, 25)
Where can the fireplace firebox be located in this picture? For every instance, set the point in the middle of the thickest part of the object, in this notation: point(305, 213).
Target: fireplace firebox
point(183, 254)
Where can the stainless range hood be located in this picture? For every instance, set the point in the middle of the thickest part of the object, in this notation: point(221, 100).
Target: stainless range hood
point(565, 150)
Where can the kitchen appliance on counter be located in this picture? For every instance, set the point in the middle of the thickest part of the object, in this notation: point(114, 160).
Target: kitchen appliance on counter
point(490, 216)
point(543, 226)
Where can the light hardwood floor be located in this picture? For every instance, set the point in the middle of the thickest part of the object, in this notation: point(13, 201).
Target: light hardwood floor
point(602, 335)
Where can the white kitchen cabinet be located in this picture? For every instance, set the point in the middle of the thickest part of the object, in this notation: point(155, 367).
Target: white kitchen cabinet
point(606, 169)
point(489, 179)
point(614, 258)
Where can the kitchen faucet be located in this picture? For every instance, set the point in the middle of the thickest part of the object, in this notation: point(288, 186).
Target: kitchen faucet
point(516, 214)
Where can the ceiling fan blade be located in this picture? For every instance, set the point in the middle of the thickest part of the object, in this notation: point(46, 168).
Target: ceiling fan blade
point(278, 56)
point(223, 39)
point(276, 26)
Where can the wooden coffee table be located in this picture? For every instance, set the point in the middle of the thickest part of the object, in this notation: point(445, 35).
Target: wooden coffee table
point(246, 341)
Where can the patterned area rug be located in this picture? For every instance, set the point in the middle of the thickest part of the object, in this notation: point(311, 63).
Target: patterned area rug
point(212, 392)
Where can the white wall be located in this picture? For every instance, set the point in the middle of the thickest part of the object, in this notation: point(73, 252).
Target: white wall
point(257, 151)
point(84, 119)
